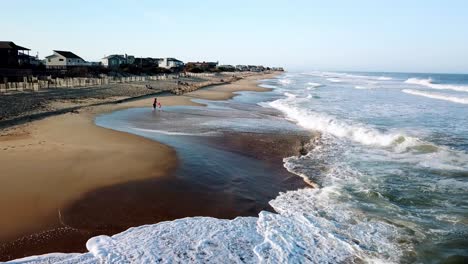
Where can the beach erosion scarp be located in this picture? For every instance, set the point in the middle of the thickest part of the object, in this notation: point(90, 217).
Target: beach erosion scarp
point(50, 163)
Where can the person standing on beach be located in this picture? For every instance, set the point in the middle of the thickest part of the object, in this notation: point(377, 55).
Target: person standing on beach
point(159, 106)
point(155, 103)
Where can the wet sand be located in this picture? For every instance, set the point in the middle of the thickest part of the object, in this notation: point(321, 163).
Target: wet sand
point(50, 163)
point(65, 179)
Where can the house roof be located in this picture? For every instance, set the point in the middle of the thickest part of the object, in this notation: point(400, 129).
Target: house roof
point(173, 59)
point(68, 54)
point(113, 56)
point(11, 45)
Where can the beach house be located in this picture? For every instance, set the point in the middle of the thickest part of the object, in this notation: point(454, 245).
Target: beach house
point(242, 68)
point(63, 60)
point(115, 60)
point(226, 68)
point(170, 63)
point(10, 54)
point(201, 66)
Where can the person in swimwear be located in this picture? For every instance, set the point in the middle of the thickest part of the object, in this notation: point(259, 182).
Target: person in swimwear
point(155, 103)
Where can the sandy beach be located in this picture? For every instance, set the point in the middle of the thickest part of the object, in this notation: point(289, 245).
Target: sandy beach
point(50, 163)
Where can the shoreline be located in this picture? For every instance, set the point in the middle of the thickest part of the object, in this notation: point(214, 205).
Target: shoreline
point(36, 155)
point(22, 107)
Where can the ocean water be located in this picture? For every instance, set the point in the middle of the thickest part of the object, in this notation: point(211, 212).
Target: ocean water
point(391, 169)
point(396, 153)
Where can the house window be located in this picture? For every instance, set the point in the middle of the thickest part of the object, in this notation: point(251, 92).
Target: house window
point(69, 60)
point(59, 59)
point(48, 60)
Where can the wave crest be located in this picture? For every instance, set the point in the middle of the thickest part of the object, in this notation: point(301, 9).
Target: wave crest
point(438, 96)
point(429, 83)
point(328, 124)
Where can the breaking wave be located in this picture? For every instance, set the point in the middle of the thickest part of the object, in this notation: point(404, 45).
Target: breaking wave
point(362, 87)
point(285, 81)
point(429, 83)
point(268, 86)
point(329, 124)
point(314, 85)
point(349, 76)
point(438, 96)
point(299, 232)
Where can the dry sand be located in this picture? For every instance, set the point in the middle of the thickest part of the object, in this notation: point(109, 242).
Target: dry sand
point(47, 164)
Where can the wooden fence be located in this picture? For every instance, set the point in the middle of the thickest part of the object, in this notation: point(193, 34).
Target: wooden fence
point(34, 84)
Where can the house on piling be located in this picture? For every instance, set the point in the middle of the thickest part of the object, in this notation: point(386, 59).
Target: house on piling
point(10, 54)
point(170, 63)
point(114, 61)
point(64, 59)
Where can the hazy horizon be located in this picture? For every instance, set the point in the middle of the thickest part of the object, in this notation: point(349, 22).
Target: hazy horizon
point(417, 36)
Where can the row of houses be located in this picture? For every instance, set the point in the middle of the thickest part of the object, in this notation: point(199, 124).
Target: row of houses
point(115, 61)
point(13, 56)
point(249, 68)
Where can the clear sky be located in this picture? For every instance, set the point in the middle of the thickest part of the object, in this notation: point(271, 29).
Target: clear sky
point(360, 35)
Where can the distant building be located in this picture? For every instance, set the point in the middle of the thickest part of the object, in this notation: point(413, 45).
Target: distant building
point(253, 68)
point(9, 54)
point(277, 69)
point(227, 68)
point(64, 59)
point(201, 66)
point(146, 62)
point(114, 61)
point(170, 63)
point(242, 68)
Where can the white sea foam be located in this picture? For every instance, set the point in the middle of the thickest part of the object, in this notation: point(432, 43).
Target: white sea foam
point(300, 232)
point(334, 80)
point(329, 124)
point(313, 85)
point(269, 86)
point(383, 78)
point(438, 96)
point(349, 76)
point(362, 87)
point(290, 95)
point(429, 83)
point(285, 81)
